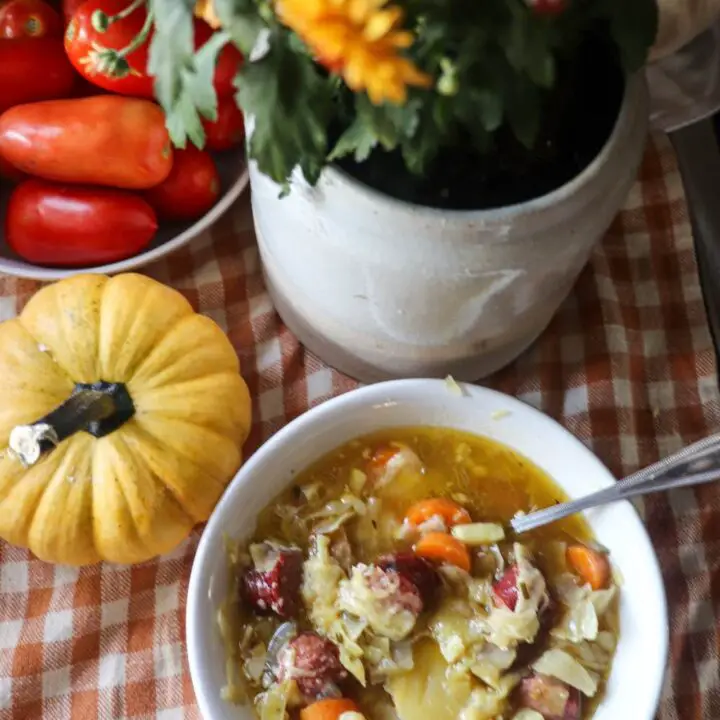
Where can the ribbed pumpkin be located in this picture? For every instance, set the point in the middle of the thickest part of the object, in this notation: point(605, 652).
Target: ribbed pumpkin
point(122, 418)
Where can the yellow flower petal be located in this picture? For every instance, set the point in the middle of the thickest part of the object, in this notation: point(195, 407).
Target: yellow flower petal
point(381, 23)
point(359, 39)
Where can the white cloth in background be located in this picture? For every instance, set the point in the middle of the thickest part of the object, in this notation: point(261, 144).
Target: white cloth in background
point(685, 86)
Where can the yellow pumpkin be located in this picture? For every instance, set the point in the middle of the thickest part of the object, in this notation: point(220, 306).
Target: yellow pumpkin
point(122, 419)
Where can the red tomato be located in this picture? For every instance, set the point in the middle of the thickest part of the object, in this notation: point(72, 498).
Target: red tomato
point(71, 226)
point(29, 18)
point(33, 69)
point(229, 128)
point(85, 47)
point(229, 60)
point(88, 50)
point(69, 7)
point(9, 172)
point(104, 140)
point(190, 190)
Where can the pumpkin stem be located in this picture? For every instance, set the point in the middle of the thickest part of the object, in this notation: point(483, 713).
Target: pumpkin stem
point(97, 409)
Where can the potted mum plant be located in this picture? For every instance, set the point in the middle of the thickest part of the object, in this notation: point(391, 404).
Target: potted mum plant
point(428, 178)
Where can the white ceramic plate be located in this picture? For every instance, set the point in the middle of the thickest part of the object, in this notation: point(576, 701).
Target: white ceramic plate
point(634, 686)
point(232, 168)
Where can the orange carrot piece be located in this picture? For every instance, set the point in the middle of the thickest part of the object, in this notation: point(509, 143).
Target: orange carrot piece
point(328, 709)
point(593, 567)
point(443, 548)
point(452, 513)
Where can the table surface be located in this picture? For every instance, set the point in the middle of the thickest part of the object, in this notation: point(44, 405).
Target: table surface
point(627, 365)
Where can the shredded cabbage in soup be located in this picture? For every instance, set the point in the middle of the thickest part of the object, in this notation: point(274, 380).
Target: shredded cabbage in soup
point(385, 584)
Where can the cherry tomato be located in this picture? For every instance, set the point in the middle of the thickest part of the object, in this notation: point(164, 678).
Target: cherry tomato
point(69, 7)
point(104, 140)
point(73, 226)
point(29, 18)
point(191, 188)
point(91, 51)
point(9, 172)
point(229, 61)
point(229, 128)
point(33, 69)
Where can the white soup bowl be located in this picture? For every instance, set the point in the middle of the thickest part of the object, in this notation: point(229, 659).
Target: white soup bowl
point(635, 684)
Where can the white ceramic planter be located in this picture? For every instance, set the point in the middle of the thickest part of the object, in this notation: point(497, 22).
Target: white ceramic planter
point(379, 288)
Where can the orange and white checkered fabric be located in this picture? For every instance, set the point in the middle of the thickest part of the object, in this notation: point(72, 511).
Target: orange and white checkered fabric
point(627, 365)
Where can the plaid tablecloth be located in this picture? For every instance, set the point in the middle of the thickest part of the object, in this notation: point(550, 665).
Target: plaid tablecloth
point(627, 365)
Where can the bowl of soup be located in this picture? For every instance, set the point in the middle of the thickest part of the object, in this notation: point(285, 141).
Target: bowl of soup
point(361, 565)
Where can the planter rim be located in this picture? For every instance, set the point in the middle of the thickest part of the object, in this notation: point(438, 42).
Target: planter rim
point(634, 85)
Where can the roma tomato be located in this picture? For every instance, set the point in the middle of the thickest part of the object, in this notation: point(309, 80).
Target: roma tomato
point(229, 61)
point(104, 140)
point(91, 51)
point(29, 18)
point(71, 226)
point(190, 190)
point(229, 128)
point(33, 69)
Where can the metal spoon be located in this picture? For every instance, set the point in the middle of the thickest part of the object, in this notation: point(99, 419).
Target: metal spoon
point(694, 465)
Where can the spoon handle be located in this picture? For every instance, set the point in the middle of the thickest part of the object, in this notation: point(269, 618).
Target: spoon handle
point(694, 465)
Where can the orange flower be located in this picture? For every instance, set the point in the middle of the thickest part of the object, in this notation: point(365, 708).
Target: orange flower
point(205, 10)
point(360, 40)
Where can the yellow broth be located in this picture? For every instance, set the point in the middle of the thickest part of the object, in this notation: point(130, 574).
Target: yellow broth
point(489, 480)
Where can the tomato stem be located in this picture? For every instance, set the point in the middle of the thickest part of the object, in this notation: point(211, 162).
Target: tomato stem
point(101, 21)
point(140, 38)
point(113, 63)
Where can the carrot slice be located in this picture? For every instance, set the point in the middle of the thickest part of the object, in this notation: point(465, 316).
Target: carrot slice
point(452, 513)
point(328, 709)
point(593, 567)
point(443, 548)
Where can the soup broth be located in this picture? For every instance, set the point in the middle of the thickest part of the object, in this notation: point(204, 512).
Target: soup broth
point(510, 627)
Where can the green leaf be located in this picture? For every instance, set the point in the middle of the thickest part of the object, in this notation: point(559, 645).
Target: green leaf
point(389, 123)
point(290, 103)
point(170, 60)
point(243, 20)
point(445, 111)
point(542, 68)
point(199, 83)
point(183, 77)
point(358, 139)
point(523, 110)
point(489, 108)
point(634, 25)
point(171, 47)
point(184, 122)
